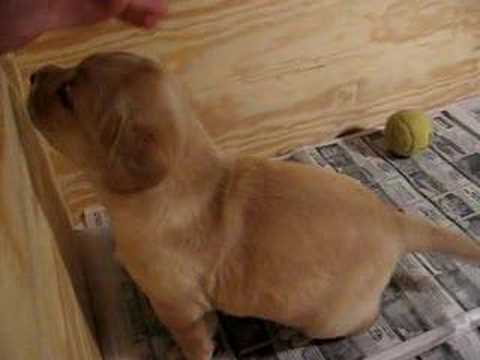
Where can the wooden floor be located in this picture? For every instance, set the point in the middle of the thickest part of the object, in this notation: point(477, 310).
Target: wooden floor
point(267, 75)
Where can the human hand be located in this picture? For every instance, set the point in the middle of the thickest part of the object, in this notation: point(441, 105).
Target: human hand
point(23, 20)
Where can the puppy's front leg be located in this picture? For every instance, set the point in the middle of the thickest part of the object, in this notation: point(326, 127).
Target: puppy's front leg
point(191, 328)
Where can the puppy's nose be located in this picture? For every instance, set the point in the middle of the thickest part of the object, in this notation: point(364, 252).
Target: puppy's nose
point(33, 77)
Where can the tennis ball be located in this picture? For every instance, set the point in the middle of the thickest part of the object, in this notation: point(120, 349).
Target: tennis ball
point(408, 132)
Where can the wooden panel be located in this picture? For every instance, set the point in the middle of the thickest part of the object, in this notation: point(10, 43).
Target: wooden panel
point(77, 192)
point(40, 315)
point(269, 74)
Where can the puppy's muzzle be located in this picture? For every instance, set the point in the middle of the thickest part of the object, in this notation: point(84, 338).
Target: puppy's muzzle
point(43, 73)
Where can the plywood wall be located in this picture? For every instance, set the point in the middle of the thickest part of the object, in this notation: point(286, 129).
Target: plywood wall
point(266, 75)
point(40, 306)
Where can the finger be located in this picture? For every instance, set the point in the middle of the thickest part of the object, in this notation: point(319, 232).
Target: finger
point(141, 18)
point(151, 20)
point(159, 7)
point(134, 17)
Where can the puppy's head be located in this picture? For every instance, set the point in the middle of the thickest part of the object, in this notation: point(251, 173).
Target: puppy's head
point(112, 115)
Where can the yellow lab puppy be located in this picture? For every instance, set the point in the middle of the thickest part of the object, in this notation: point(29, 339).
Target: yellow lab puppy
point(197, 231)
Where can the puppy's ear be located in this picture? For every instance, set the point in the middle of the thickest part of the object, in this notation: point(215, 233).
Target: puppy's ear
point(135, 160)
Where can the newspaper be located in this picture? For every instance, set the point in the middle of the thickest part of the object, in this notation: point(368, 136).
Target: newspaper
point(431, 308)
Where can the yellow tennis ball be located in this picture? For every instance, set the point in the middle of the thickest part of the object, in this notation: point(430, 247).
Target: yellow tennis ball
point(408, 132)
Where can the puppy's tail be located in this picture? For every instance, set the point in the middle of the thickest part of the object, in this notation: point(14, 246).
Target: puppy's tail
point(422, 236)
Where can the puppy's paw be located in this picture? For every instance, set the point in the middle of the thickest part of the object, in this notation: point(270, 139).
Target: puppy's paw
point(176, 353)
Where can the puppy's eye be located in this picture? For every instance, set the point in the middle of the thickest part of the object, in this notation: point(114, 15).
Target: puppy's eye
point(64, 93)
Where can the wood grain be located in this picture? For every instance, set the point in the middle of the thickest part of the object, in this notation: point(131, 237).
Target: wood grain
point(266, 75)
point(40, 316)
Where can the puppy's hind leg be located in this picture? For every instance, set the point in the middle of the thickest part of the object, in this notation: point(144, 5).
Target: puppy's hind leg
point(354, 322)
